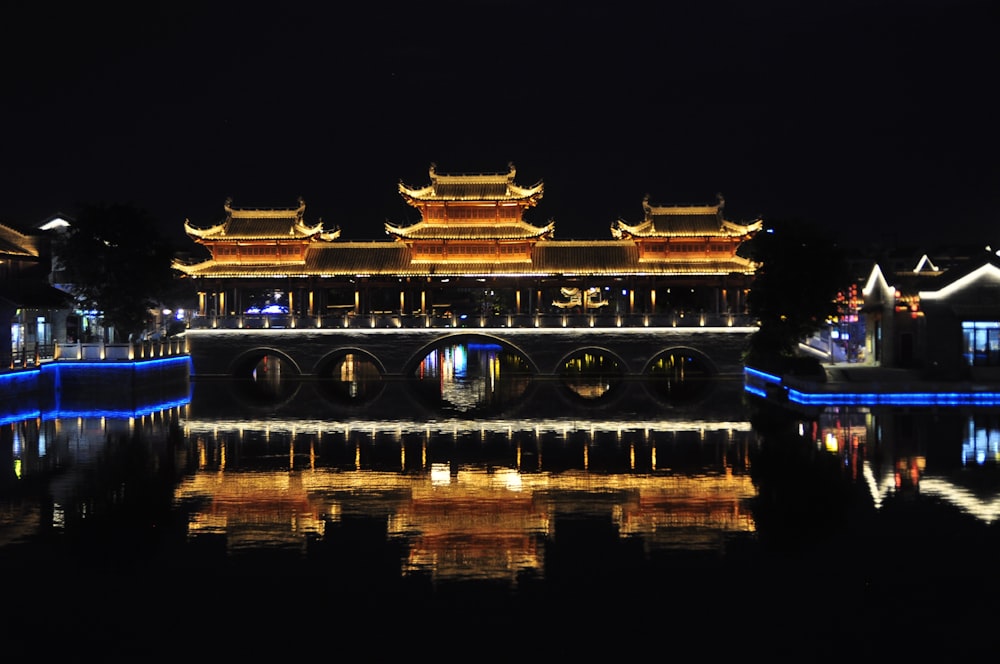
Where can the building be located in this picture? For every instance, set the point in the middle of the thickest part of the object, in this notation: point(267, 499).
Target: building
point(474, 252)
point(944, 323)
point(37, 314)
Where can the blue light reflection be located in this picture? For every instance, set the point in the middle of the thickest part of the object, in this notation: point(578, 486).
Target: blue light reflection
point(28, 383)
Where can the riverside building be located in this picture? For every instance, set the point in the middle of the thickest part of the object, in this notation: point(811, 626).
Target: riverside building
point(473, 258)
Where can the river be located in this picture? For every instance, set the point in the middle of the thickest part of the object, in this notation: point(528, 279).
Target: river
point(500, 523)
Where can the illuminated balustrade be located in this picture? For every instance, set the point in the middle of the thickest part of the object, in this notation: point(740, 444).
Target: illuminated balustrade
point(428, 321)
point(140, 350)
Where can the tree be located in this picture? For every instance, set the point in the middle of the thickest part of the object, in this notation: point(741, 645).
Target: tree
point(117, 263)
point(794, 292)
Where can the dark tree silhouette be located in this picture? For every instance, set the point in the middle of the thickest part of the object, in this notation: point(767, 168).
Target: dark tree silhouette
point(117, 263)
point(794, 293)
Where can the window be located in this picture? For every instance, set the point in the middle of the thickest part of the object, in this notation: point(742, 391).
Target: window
point(981, 343)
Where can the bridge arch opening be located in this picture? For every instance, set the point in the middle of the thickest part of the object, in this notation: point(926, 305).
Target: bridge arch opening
point(470, 374)
point(350, 375)
point(681, 375)
point(592, 374)
point(265, 375)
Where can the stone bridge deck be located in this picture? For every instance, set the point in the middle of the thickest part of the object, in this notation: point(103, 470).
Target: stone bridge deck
point(397, 352)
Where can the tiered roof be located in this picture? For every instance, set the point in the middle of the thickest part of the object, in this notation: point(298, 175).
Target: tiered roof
point(472, 187)
point(468, 195)
point(246, 224)
point(487, 230)
point(553, 257)
point(678, 221)
point(452, 190)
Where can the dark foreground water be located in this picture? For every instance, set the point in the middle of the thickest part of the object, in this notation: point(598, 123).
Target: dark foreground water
point(234, 525)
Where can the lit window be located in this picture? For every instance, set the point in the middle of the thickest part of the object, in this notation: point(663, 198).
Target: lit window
point(981, 343)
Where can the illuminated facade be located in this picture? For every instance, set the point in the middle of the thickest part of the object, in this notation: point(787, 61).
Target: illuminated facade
point(473, 251)
point(37, 315)
point(944, 323)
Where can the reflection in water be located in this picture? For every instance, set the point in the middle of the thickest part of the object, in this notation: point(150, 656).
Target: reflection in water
point(591, 374)
point(352, 378)
point(678, 377)
point(489, 524)
point(982, 442)
point(466, 378)
point(473, 500)
point(904, 453)
point(267, 373)
point(266, 380)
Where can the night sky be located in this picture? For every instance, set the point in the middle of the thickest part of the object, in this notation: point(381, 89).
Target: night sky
point(877, 119)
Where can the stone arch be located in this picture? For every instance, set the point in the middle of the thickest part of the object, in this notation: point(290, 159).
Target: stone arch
point(266, 389)
point(694, 353)
point(244, 363)
point(364, 383)
point(333, 356)
point(595, 381)
point(469, 382)
point(601, 349)
point(417, 357)
point(680, 374)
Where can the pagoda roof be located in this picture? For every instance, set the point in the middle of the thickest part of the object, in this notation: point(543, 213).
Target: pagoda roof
point(262, 224)
point(668, 221)
point(14, 243)
point(472, 187)
point(551, 258)
point(488, 230)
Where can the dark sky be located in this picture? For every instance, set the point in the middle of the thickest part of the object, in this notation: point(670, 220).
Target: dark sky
point(871, 117)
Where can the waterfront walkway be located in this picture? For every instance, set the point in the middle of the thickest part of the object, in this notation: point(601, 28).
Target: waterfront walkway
point(869, 385)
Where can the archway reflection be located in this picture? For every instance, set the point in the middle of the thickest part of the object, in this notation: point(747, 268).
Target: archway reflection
point(469, 377)
point(680, 376)
point(352, 377)
point(591, 374)
point(265, 379)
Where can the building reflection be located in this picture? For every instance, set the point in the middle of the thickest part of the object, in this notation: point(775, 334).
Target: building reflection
point(476, 500)
point(900, 453)
point(469, 498)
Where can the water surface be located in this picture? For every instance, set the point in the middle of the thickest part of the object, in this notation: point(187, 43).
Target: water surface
point(499, 523)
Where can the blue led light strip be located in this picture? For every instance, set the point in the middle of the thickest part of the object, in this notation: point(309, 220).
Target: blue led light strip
point(111, 367)
point(841, 398)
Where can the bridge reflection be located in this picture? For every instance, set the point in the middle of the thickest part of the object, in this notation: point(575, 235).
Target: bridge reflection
point(461, 498)
point(475, 499)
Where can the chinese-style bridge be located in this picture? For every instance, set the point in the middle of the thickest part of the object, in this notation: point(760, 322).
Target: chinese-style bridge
point(227, 348)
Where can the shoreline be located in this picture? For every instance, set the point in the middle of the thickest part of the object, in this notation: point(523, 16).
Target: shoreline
point(866, 385)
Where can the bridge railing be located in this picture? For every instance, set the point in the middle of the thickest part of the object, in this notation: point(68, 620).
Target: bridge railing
point(139, 350)
point(414, 321)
